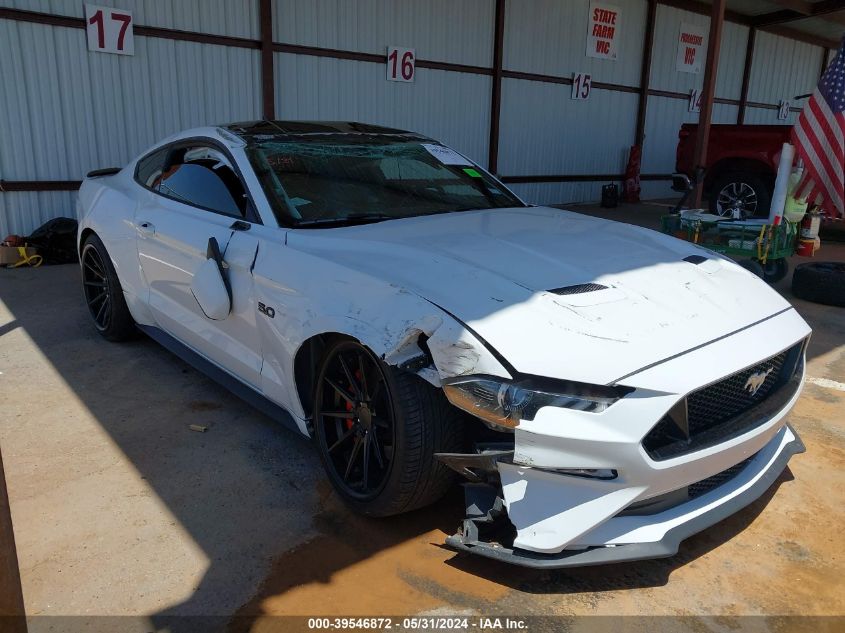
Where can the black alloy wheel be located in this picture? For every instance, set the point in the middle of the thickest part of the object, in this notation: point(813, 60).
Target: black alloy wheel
point(96, 286)
point(103, 292)
point(378, 428)
point(356, 420)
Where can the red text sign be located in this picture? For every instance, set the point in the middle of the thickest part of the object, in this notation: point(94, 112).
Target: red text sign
point(109, 30)
point(603, 31)
point(692, 47)
point(401, 64)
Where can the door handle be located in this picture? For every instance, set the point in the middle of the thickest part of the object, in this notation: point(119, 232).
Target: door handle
point(146, 227)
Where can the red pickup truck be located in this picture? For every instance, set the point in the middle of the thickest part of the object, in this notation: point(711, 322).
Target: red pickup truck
point(741, 165)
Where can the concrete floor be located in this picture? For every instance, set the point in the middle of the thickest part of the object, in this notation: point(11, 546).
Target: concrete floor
point(120, 509)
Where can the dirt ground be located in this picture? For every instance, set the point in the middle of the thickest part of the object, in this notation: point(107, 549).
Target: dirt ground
point(120, 509)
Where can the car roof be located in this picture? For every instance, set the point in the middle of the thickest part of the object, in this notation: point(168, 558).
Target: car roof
point(316, 130)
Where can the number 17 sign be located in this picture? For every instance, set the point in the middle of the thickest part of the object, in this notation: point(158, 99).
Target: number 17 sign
point(109, 30)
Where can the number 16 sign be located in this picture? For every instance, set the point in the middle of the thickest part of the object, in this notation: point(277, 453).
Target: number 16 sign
point(109, 30)
point(401, 64)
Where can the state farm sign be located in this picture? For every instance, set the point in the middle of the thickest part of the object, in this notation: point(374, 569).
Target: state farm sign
point(692, 43)
point(603, 31)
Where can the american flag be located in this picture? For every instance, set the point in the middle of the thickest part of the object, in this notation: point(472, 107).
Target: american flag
point(819, 139)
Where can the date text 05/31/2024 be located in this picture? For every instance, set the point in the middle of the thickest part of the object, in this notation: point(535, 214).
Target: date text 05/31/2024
point(419, 623)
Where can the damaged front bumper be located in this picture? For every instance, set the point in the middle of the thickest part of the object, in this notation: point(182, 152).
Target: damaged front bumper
point(554, 503)
point(625, 537)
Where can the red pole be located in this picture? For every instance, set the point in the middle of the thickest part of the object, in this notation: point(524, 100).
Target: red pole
point(12, 616)
point(717, 19)
point(268, 80)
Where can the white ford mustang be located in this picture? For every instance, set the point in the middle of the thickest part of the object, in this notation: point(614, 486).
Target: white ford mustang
point(606, 389)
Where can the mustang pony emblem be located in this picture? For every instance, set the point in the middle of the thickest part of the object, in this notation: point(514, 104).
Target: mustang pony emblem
point(755, 381)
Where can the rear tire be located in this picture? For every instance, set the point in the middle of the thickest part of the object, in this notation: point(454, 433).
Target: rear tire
point(820, 282)
point(103, 293)
point(377, 429)
point(746, 190)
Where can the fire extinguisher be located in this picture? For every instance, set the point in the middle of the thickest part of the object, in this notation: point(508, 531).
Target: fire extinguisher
point(808, 242)
point(810, 225)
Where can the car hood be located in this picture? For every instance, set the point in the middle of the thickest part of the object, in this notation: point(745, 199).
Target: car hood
point(501, 272)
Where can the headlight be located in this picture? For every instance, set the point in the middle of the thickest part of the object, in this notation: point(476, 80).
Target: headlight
point(502, 405)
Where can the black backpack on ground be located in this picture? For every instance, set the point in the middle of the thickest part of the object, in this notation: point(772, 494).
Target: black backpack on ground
point(56, 241)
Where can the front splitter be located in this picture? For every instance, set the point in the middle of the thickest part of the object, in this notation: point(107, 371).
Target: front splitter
point(667, 546)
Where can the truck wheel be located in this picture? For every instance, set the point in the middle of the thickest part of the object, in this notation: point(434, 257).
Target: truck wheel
point(775, 269)
point(820, 282)
point(748, 193)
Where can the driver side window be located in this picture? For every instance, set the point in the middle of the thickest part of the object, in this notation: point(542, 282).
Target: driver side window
point(202, 177)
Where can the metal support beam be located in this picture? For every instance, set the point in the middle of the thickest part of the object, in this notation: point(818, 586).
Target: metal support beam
point(703, 8)
point(12, 618)
point(711, 68)
point(496, 95)
point(645, 72)
point(268, 83)
point(746, 75)
point(799, 12)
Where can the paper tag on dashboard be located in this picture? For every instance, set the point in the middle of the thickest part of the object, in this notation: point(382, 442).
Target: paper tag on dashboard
point(445, 155)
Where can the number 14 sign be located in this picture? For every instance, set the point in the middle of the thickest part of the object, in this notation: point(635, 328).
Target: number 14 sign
point(109, 30)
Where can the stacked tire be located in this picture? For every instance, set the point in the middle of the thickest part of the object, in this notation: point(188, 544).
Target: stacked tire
point(820, 282)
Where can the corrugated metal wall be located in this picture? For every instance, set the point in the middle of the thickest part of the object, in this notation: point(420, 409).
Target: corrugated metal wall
point(543, 130)
point(665, 115)
point(238, 18)
point(439, 30)
point(71, 111)
point(449, 106)
point(664, 76)
point(782, 70)
point(549, 37)
point(65, 110)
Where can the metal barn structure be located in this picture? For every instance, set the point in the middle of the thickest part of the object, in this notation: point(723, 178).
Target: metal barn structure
point(493, 79)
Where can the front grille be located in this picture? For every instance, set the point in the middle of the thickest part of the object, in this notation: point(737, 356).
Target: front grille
point(727, 408)
point(730, 397)
point(693, 491)
point(706, 485)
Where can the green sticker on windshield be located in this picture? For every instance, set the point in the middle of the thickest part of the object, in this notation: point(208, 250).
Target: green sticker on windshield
point(472, 173)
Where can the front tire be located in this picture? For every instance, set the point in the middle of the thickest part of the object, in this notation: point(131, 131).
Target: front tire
point(103, 293)
point(377, 429)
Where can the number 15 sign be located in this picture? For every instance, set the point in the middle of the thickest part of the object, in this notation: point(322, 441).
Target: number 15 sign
point(109, 30)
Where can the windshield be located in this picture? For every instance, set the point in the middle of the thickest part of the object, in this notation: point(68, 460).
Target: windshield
point(354, 180)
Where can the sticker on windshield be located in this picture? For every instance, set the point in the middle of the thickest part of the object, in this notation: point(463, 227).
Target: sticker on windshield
point(472, 173)
point(445, 155)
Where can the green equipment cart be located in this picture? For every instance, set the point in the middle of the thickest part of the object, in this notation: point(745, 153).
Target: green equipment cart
point(761, 248)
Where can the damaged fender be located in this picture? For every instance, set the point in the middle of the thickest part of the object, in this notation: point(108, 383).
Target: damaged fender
point(400, 327)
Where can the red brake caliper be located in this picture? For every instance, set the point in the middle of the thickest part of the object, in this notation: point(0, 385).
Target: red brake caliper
point(349, 421)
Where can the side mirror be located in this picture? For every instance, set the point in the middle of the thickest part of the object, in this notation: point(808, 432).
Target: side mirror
point(210, 285)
